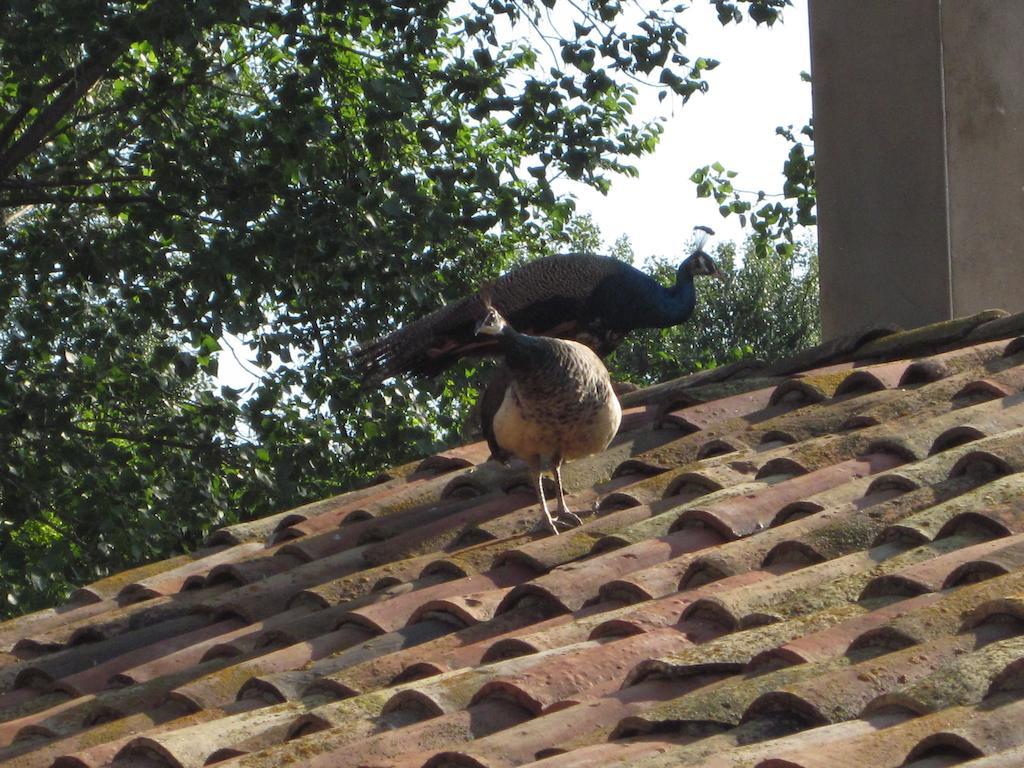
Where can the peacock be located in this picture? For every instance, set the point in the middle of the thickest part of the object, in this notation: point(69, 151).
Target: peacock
point(585, 297)
point(559, 404)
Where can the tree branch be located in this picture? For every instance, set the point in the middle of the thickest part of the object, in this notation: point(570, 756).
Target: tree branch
point(86, 75)
point(87, 182)
point(134, 437)
point(24, 210)
point(13, 201)
point(13, 122)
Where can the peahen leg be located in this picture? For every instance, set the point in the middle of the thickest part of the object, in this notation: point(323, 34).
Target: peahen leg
point(563, 508)
point(544, 504)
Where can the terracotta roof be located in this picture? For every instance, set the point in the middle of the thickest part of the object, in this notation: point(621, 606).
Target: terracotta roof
point(818, 562)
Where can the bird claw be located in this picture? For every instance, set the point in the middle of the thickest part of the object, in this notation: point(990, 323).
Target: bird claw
point(574, 520)
point(545, 525)
point(566, 519)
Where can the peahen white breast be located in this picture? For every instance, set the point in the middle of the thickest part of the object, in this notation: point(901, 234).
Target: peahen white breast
point(558, 405)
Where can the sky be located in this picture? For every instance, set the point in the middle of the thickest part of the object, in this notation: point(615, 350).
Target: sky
point(755, 88)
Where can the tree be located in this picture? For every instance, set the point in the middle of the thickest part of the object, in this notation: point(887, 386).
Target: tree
point(772, 224)
point(299, 173)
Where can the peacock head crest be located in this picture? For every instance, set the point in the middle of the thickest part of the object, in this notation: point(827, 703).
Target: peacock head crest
point(492, 322)
point(699, 262)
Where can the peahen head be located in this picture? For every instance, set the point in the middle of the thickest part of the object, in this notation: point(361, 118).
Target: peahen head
point(492, 324)
point(699, 262)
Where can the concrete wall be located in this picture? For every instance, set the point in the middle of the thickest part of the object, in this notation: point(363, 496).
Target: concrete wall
point(983, 67)
point(919, 147)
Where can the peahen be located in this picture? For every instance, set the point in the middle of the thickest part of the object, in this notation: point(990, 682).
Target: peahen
point(558, 405)
point(585, 297)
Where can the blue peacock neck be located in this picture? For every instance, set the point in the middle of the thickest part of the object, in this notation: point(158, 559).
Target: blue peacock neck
point(637, 300)
point(676, 303)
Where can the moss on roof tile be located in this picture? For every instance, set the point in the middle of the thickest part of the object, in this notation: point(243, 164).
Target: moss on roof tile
point(927, 339)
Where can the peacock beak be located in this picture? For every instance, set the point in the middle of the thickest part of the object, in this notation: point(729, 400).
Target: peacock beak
point(712, 268)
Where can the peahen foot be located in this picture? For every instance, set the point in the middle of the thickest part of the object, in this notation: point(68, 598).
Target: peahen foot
point(568, 519)
point(563, 515)
point(552, 522)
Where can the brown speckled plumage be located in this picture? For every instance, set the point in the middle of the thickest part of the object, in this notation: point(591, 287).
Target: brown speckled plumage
point(558, 404)
point(533, 297)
